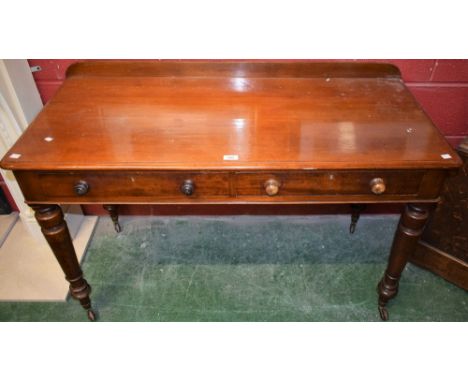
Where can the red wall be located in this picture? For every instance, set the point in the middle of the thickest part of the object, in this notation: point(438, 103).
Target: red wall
point(440, 86)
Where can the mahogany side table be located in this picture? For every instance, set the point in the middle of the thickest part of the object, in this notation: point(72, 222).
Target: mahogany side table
point(231, 132)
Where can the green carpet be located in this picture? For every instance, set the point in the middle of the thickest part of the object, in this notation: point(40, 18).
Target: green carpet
point(242, 268)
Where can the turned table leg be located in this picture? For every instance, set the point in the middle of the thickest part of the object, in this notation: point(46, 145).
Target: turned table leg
point(55, 230)
point(409, 230)
point(113, 210)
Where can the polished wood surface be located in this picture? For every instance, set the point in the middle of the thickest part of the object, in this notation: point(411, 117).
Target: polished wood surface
point(275, 116)
point(127, 186)
point(231, 68)
point(236, 133)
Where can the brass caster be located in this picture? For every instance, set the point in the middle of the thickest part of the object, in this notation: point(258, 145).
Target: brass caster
point(117, 227)
point(383, 313)
point(91, 315)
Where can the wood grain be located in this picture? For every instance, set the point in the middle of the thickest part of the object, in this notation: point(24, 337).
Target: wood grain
point(233, 132)
point(117, 187)
point(106, 116)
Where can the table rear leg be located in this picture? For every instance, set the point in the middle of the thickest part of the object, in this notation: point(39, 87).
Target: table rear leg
point(410, 228)
point(55, 230)
point(113, 210)
point(356, 210)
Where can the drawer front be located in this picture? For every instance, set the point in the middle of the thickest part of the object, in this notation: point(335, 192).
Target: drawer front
point(327, 183)
point(177, 186)
point(229, 186)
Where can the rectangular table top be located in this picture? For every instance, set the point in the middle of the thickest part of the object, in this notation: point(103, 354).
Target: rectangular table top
point(231, 115)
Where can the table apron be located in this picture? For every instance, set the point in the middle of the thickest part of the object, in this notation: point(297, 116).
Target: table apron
point(229, 187)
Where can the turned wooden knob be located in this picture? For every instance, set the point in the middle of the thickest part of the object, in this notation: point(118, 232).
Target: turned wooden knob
point(272, 187)
point(377, 186)
point(81, 188)
point(188, 187)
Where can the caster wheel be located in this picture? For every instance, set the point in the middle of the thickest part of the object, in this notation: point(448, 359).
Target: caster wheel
point(383, 313)
point(117, 227)
point(91, 315)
